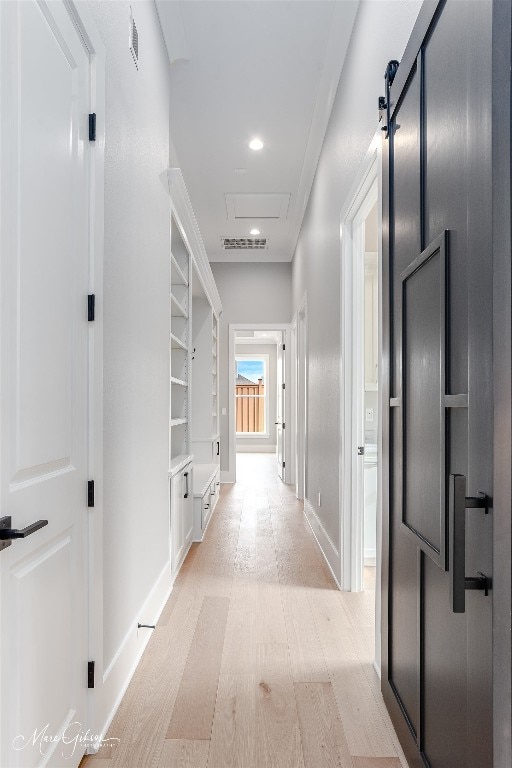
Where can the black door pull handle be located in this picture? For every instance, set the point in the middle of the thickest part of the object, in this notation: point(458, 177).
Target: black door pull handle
point(185, 475)
point(7, 533)
point(459, 582)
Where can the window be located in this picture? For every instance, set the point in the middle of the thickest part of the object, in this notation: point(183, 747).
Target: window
point(251, 395)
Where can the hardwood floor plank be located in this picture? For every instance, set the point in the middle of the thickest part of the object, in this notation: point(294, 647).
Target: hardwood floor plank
point(244, 593)
point(278, 735)
point(183, 753)
point(376, 762)
point(270, 625)
point(239, 653)
point(141, 720)
point(192, 715)
point(323, 740)
point(306, 654)
point(357, 696)
point(233, 742)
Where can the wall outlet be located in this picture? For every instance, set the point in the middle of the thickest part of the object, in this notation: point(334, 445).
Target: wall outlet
point(369, 414)
point(319, 499)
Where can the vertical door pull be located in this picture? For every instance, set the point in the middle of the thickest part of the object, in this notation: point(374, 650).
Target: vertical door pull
point(185, 475)
point(459, 582)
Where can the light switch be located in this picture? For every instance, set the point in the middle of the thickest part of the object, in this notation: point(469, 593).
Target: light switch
point(224, 411)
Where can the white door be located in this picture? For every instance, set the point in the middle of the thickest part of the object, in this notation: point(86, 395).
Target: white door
point(280, 411)
point(44, 97)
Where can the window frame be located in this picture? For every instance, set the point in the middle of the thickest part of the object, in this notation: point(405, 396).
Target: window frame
point(265, 359)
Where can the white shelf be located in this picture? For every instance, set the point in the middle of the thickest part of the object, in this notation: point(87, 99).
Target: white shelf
point(177, 310)
point(179, 382)
point(178, 343)
point(177, 422)
point(178, 462)
point(178, 277)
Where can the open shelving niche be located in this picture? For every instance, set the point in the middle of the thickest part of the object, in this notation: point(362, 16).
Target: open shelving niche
point(194, 442)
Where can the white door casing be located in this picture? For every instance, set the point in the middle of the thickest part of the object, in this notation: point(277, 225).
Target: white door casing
point(366, 190)
point(301, 402)
point(280, 411)
point(45, 197)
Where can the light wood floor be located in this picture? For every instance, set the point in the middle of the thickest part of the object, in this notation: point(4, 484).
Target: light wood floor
point(258, 661)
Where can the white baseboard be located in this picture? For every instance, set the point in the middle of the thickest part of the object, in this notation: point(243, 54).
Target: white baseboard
point(370, 557)
point(255, 448)
point(324, 541)
point(119, 672)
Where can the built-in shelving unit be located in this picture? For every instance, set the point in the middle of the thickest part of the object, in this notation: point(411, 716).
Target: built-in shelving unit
point(181, 264)
point(193, 300)
point(204, 397)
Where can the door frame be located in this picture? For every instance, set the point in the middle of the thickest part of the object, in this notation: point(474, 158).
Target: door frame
point(366, 190)
point(84, 23)
point(502, 374)
point(300, 398)
point(230, 476)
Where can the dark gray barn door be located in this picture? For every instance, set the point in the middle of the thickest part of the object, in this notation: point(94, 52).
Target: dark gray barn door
point(437, 645)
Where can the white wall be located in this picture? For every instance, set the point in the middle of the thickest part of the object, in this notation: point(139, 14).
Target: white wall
point(266, 443)
point(250, 293)
point(380, 33)
point(136, 340)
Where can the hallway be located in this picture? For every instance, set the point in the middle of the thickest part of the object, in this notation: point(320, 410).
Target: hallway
point(257, 660)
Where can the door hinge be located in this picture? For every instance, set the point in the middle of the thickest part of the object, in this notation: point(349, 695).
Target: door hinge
point(92, 126)
point(284, 347)
point(90, 493)
point(284, 425)
point(284, 385)
point(284, 464)
point(90, 674)
point(91, 307)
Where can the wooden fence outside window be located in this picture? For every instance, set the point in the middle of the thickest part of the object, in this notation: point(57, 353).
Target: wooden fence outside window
point(250, 407)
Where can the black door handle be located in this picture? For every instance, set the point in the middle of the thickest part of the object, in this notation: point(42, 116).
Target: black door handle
point(7, 533)
point(218, 447)
point(185, 475)
point(459, 582)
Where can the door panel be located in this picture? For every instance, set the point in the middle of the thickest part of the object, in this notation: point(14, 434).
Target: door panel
point(437, 678)
point(44, 348)
point(423, 371)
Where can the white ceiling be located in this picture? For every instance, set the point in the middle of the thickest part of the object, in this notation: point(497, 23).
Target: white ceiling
point(248, 68)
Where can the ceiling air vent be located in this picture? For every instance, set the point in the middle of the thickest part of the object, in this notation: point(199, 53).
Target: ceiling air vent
point(244, 243)
point(134, 41)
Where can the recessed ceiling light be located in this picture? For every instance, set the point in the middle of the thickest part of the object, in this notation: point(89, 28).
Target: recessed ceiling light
point(255, 232)
point(256, 144)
